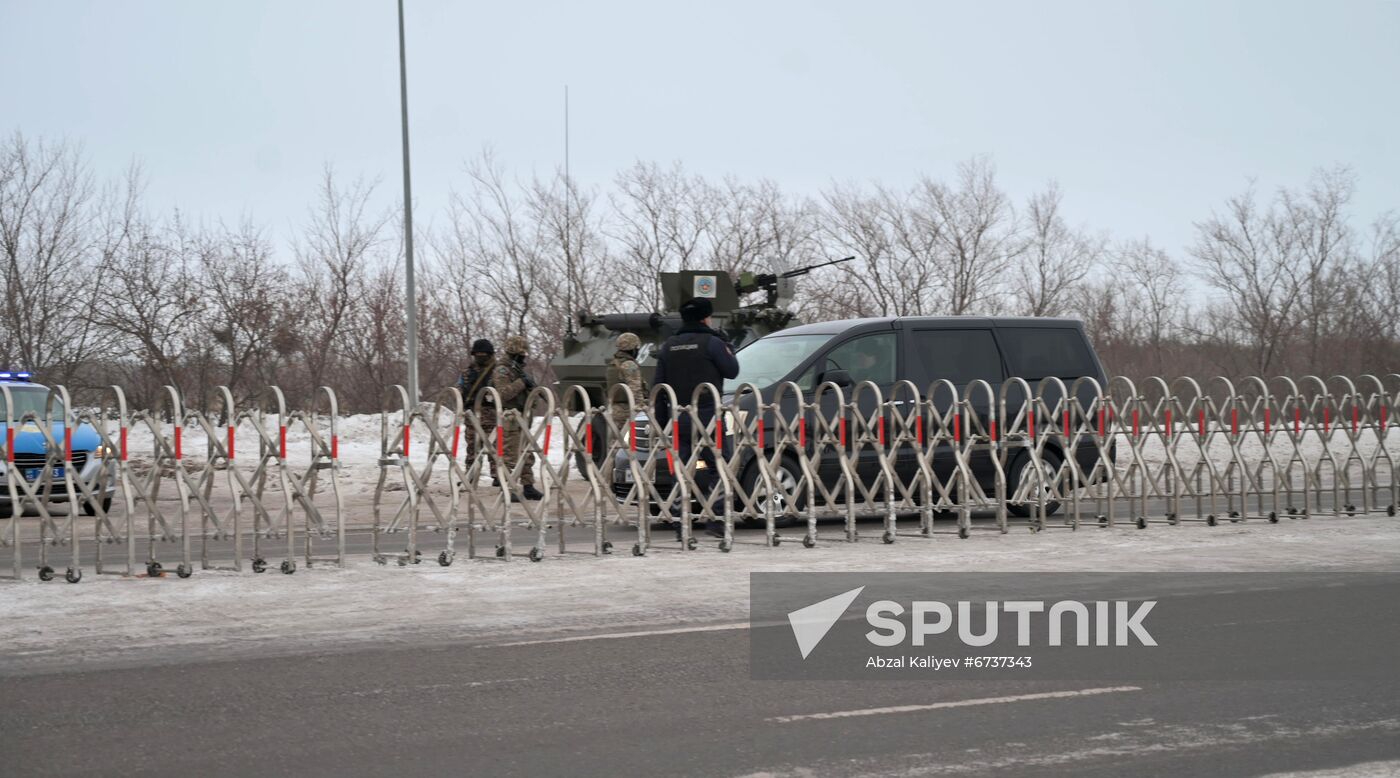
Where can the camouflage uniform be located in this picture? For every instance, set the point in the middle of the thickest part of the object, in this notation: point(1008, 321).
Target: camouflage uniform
point(513, 386)
point(473, 381)
point(623, 369)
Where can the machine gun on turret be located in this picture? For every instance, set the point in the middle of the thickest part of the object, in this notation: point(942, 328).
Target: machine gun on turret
point(772, 283)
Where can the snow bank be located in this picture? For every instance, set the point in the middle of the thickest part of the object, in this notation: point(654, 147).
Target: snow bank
point(112, 621)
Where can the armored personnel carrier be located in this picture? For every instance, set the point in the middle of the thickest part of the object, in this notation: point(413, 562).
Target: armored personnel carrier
point(583, 361)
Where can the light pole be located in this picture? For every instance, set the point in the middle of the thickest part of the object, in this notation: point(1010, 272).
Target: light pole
point(411, 302)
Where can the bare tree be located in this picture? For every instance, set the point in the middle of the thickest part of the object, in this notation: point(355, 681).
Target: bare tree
point(332, 257)
point(977, 237)
point(1055, 258)
point(47, 257)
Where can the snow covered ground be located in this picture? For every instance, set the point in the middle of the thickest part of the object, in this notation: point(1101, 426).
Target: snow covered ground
point(115, 621)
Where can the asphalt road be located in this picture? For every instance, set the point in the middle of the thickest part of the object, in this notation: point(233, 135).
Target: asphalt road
point(664, 704)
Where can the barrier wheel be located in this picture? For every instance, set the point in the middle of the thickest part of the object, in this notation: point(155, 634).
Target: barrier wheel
point(1103, 521)
point(963, 533)
point(692, 544)
point(445, 558)
point(1273, 517)
point(607, 547)
point(888, 537)
point(1390, 510)
point(154, 570)
point(183, 570)
point(809, 542)
point(73, 576)
point(46, 573)
point(1351, 510)
point(777, 540)
point(1211, 521)
point(288, 567)
point(536, 554)
point(637, 549)
point(501, 551)
point(1172, 519)
point(1292, 511)
point(260, 564)
point(1234, 517)
point(725, 546)
point(1141, 522)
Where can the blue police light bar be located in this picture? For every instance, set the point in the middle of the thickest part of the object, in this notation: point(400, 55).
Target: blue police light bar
point(12, 376)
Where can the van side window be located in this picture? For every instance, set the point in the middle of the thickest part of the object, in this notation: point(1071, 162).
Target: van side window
point(867, 358)
point(960, 356)
point(1034, 354)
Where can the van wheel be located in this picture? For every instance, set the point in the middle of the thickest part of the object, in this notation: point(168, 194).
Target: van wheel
point(1050, 461)
point(786, 495)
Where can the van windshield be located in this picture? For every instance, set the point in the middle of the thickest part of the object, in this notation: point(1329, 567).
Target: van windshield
point(29, 400)
point(769, 360)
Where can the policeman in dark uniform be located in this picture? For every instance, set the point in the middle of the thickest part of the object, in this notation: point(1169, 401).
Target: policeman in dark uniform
point(695, 355)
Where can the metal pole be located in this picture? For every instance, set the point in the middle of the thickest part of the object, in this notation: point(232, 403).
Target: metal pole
point(411, 300)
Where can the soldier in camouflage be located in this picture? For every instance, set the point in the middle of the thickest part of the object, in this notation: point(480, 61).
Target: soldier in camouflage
point(513, 384)
point(623, 369)
point(476, 377)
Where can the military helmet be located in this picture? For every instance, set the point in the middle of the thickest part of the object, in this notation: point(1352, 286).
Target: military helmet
point(516, 344)
point(628, 341)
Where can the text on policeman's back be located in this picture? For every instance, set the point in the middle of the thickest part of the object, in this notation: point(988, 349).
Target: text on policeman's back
point(1112, 623)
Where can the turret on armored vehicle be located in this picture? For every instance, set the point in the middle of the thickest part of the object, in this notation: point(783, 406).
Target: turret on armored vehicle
point(587, 350)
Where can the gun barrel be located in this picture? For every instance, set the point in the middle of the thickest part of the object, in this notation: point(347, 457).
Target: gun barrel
point(802, 271)
point(631, 322)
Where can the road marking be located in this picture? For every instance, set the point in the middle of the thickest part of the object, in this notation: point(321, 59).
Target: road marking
point(841, 714)
point(624, 635)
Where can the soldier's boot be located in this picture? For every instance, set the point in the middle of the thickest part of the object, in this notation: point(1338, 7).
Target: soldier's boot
point(529, 492)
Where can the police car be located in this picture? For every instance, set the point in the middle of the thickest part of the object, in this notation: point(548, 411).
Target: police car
point(29, 459)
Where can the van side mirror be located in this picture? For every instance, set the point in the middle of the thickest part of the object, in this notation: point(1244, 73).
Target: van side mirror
point(841, 378)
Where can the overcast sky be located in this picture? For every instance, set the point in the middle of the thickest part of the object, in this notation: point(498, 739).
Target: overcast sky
point(1147, 114)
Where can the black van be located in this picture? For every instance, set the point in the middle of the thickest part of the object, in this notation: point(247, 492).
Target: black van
point(921, 350)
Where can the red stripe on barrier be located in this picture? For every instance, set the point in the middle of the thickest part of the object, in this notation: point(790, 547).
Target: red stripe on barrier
point(1235, 421)
point(547, 430)
point(1102, 416)
point(500, 442)
point(456, 435)
point(1030, 426)
point(719, 430)
point(67, 444)
point(407, 438)
point(1136, 427)
point(1383, 414)
point(632, 435)
point(10, 443)
point(1266, 421)
point(1326, 420)
point(1171, 431)
point(760, 432)
point(1065, 430)
point(843, 432)
point(178, 430)
point(282, 442)
point(1297, 421)
point(957, 428)
point(588, 439)
point(920, 421)
point(1201, 418)
point(123, 451)
point(670, 464)
point(993, 430)
point(230, 441)
point(335, 447)
point(802, 431)
point(882, 430)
